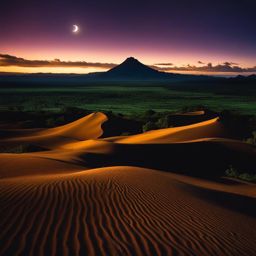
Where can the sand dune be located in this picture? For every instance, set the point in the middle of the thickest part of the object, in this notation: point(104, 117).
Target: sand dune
point(88, 127)
point(207, 129)
point(56, 202)
point(118, 211)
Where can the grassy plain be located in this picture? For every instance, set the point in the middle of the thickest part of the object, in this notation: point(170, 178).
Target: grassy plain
point(122, 99)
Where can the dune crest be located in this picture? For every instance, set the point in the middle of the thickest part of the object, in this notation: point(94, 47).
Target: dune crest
point(206, 129)
point(88, 127)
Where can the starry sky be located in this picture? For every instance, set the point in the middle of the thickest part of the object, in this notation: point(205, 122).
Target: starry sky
point(181, 35)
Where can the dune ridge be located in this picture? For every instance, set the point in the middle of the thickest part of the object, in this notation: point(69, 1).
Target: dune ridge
point(56, 202)
point(88, 127)
point(210, 128)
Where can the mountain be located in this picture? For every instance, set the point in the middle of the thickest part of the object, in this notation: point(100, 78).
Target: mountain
point(132, 69)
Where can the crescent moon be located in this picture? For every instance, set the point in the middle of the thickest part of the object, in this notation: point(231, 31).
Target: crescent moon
point(75, 28)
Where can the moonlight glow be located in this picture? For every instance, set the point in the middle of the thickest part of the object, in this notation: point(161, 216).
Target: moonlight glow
point(75, 29)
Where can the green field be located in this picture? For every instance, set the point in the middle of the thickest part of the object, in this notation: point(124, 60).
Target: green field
point(122, 99)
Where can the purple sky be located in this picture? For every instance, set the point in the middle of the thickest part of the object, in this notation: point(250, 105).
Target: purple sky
point(181, 32)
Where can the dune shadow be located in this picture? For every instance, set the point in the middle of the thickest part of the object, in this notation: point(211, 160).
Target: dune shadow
point(239, 203)
point(203, 159)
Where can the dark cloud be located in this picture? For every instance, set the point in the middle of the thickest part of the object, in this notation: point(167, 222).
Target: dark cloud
point(230, 63)
point(225, 67)
point(9, 60)
point(164, 64)
point(200, 62)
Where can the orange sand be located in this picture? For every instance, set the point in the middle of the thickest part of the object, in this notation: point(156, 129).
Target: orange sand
point(55, 203)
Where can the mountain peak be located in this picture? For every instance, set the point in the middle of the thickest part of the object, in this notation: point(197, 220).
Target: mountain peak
point(131, 59)
point(130, 68)
point(133, 69)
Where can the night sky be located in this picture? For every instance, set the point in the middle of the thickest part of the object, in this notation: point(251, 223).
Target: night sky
point(181, 32)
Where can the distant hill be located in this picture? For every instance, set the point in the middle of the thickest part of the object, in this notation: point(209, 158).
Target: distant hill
point(244, 78)
point(132, 69)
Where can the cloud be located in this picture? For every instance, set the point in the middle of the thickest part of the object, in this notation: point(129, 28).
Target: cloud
point(230, 63)
point(200, 62)
point(224, 67)
point(163, 64)
point(9, 60)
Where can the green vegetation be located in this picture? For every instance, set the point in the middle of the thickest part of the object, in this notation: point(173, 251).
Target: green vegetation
point(149, 126)
point(252, 140)
point(127, 100)
point(234, 173)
